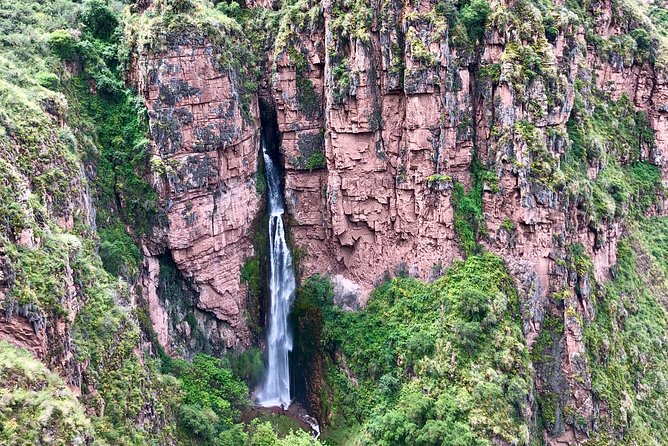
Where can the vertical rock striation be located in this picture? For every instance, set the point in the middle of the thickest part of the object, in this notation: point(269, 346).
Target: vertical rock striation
point(205, 158)
point(392, 139)
point(406, 114)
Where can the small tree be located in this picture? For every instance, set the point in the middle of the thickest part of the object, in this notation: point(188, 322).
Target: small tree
point(473, 16)
point(63, 44)
point(99, 19)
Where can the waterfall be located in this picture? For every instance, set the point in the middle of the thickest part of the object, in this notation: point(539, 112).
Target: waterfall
point(276, 388)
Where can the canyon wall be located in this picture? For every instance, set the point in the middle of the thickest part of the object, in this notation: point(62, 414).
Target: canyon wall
point(409, 142)
point(401, 126)
point(205, 147)
point(392, 144)
point(389, 121)
point(412, 134)
point(45, 194)
point(405, 116)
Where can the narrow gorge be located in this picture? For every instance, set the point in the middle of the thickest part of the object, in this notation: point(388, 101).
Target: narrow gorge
point(339, 222)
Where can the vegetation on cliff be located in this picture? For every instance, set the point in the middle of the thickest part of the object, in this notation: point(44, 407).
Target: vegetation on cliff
point(73, 203)
point(36, 407)
point(446, 362)
point(626, 339)
point(422, 364)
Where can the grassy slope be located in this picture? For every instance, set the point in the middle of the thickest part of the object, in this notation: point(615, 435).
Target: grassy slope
point(36, 407)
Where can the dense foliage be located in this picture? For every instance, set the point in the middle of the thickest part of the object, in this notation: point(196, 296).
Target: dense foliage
point(36, 407)
point(615, 135)
point(626, 340)
point(423, 364)
point(71, 130)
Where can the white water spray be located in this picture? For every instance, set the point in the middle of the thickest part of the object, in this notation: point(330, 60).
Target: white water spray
point(276, 388)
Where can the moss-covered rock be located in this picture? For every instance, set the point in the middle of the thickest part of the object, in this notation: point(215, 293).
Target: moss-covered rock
point(36, 406)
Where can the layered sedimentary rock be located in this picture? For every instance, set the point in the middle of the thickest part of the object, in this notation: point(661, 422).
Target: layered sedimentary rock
point(399, 125)
point(382, 204)
point(405, 115)
point(205, 147)
point(409, 142)
point(546, 221)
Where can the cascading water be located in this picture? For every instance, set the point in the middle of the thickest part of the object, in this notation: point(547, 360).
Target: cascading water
point(276, 388)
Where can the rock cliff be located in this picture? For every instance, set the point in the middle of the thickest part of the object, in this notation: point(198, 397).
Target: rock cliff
point(403, 113)
point(534, 130)
point(527, 138)
point(392, 121)
point(204, 156)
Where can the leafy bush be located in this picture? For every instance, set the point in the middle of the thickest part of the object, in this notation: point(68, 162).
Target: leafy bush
point(624, 339)
point(431, 363)
point(36, 407)
point(207, 384)
point(200, 421)
point(119, 253)
point(468, 217)
point(251, 274)
point(614, 135)
point(474, 16)
point(234, 436)
point(63, 44)
point(98, 19)
point(48, 80)
point(316, 161)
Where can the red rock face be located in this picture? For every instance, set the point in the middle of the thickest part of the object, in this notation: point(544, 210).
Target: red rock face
point(371, 209)
point(373, 141)
point(374, 210)
point(204, 164)
point(383, 201)
point(19, 331)
point(545, 225)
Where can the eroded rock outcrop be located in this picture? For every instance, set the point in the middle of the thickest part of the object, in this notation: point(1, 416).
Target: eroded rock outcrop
point(407, 114)
point(409, 142)
point(382, 203)
point(205, 159)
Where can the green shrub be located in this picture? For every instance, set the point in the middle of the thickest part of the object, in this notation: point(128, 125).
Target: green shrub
point(174, 7)
point(251, 274)
point(316, 161)
point(230, 8)
point(208, 384)
point(613, 135)
point(468, 217)
point(622, 340)
point(200, 421)
point(474, 16)
point(341, 80)
point(63, 44)
point(98, 19)
point(37, 407)
point(234, 436)
point(308, 99)
point(119, 253)
point(48, 80)
point(432, 363)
